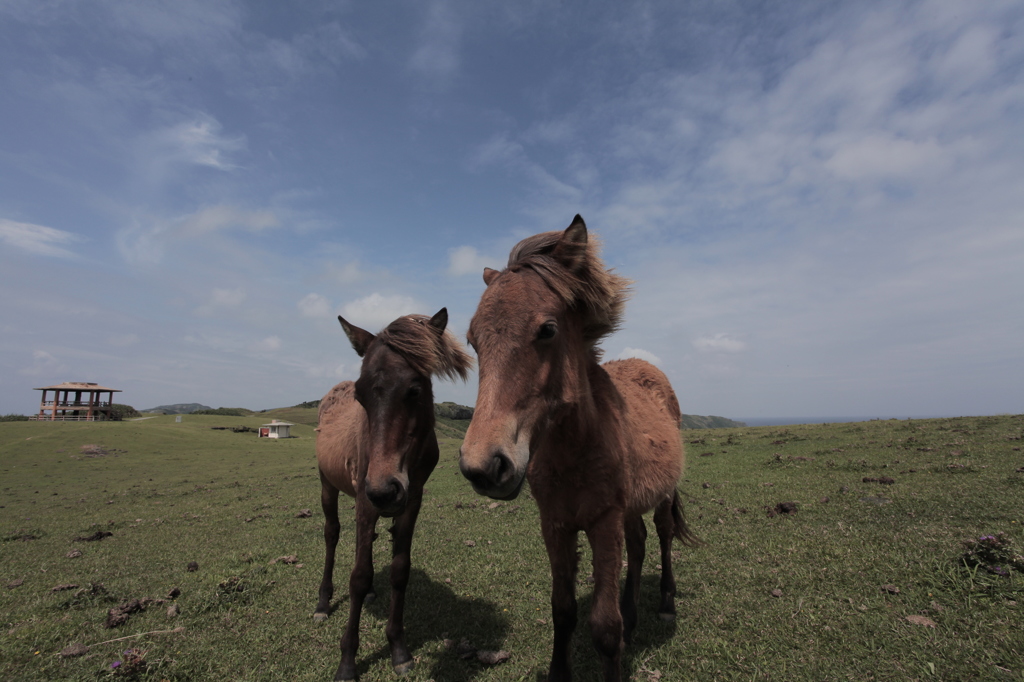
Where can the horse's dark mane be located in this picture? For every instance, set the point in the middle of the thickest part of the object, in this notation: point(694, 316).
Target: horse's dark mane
point(428, 351)
point(594, 290)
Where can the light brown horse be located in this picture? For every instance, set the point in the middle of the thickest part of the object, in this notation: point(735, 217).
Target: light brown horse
point(600, 444)
point(376, 443)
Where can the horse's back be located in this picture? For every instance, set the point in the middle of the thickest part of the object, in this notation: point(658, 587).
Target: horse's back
point(651, 419)
point(342, 423)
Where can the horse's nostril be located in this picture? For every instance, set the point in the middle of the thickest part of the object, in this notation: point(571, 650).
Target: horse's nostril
point(502, 467)
point(385, 495)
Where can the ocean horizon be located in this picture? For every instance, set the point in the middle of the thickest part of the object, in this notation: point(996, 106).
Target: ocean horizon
point(790, 421)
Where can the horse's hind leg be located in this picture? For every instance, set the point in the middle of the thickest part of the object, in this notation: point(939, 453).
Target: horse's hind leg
point(636, 543)
point(332, 528)
point(360, 584)
point(665, 524)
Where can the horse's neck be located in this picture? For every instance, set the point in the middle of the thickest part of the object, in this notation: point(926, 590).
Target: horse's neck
point(595, 407)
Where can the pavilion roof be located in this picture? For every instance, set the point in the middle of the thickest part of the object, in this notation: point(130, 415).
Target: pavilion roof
point(77, 386)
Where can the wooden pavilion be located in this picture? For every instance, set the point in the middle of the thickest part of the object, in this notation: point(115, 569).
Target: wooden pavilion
point(77, 401)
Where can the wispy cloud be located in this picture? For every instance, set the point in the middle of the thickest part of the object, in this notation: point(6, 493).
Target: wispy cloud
point(437, 53)
point(146, 242)
point(719, 343)
point(38, 239)
point(196, 142)
point(43, 365)
point(220, 300)
point(271, 344)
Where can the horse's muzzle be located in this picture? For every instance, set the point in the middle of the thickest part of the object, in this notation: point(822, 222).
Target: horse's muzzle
point(389, 499)
point(495, 477)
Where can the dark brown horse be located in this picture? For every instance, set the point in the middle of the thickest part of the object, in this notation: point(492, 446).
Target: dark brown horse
point(376, 443)
point(600, 444)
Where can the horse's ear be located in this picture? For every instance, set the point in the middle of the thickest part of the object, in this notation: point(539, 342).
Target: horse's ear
point(359, 338)
point(489, 275)
point(571, 247)
point(440, 320)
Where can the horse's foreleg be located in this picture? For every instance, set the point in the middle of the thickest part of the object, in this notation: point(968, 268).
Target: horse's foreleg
point(401, 532)
point(561, 546)
point(665, 524)
point(605, 618)
point(636, 543)
point(332, 527)
point(360, 584)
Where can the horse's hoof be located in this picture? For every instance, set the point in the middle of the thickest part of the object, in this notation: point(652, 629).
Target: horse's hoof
point(345, 673)
point(667, 617)
point(404, 668)
point(319, 617)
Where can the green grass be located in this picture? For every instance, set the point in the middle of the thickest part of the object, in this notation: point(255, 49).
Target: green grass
point(172, 493)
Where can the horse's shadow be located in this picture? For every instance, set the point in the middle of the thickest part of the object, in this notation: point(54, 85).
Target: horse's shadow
point(650, 633)
point(433, 611)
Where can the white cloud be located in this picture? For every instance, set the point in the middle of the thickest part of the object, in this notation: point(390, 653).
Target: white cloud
point(640, 353)
point(220, 300)
point(217, 218)
point(376, 311)
point(228, 298)
point(331, 371)
point(43, 364)
point(466, 260)
point(267, 345)
point(38, 239)
point(719, 343)
point(123, 340)
point(344, 274)
point(146, 241)
point(497, 150)
point(198, 142)
point(885, 156)
point(437, 54)
point(315, 305)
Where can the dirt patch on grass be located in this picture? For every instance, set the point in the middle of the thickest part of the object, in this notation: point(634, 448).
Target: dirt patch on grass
point(95, 537)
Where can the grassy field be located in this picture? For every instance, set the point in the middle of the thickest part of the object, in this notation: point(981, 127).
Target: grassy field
point(823, 593)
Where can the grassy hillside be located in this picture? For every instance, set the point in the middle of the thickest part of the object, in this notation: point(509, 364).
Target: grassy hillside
point(693, 421)
point(862, 581)
point(296, 415)
point(445, 427)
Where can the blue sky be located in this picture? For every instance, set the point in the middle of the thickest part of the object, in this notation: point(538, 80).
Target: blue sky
point(821, 204)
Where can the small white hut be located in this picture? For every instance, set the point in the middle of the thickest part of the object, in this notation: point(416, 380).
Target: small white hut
point(276, 429)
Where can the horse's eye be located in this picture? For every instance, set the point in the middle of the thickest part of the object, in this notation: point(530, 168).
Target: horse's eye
point(547, 331)
point(414, 392)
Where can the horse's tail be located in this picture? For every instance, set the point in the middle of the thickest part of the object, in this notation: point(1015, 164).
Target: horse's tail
point(682, 531)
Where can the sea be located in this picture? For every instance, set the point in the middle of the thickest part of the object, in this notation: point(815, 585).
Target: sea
point(785, 421)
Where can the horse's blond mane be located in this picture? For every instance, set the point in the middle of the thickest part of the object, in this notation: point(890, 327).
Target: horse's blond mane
point(588, 286)
point(428, 351)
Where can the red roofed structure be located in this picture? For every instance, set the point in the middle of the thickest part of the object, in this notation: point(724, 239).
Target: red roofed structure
point(76, 401)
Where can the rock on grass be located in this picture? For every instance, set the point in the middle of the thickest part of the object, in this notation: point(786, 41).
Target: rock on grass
point(492, 657)
point(72, 650)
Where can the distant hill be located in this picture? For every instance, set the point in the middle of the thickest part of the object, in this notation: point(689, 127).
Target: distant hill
point(179, 408)
point(227, 412)
point(450, 410)
point(693, 421)
point(452, 418)
point(300, 414)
